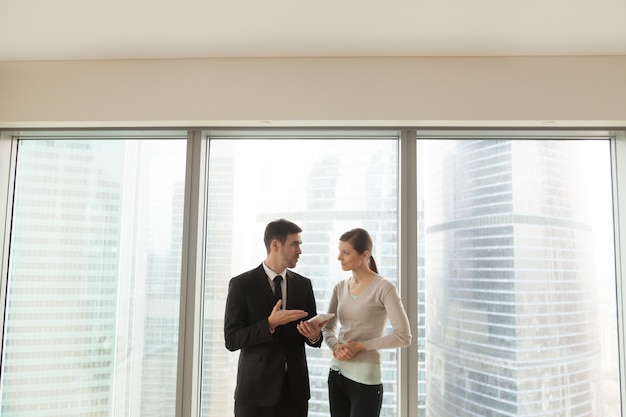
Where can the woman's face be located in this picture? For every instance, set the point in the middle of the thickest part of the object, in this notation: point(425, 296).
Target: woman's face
point(350, 259)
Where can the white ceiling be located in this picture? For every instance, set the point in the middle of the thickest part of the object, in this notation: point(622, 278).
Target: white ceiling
point(118, 29)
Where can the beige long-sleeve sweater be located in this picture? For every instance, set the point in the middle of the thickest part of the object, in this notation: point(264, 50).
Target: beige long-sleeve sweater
point(363, 318)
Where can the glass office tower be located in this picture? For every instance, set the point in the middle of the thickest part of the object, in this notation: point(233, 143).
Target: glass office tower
point(64, 282)
point(511, 299)
point(94, 279)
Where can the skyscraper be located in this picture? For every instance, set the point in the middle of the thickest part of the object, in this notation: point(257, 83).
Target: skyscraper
point(60, 335)
point(94, 280)
point(510, 299)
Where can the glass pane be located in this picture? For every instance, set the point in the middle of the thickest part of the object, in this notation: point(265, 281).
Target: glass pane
point(94, 279)
point(517, 279)
point(326, 187)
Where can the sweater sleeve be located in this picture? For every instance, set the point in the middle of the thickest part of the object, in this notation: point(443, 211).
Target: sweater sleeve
point(401, 330)
point(329, 331)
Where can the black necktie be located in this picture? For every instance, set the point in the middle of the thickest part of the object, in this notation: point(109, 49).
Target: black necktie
point(278, 292)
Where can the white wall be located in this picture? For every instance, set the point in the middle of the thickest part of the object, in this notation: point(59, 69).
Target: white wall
point(430, 92)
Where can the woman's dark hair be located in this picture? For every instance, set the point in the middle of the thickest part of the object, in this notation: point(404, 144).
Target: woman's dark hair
point(361, 241)
point(279, 229)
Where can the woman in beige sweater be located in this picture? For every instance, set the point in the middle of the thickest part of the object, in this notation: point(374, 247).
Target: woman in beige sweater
point(362, 304)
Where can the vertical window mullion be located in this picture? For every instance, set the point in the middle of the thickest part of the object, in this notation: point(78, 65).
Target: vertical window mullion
point(407, 263)
point(192, 278)
point(8, 156)
point(618, 156)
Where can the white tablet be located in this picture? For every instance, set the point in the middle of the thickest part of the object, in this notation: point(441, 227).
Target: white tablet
point(322, 317)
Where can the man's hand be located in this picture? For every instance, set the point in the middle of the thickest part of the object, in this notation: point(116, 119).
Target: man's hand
point(279, 317)
point(311, 329)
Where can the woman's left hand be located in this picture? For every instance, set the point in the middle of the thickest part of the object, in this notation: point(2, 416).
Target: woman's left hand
point(348, 350)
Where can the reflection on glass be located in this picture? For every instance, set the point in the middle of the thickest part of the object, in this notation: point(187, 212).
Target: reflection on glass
point(519, 295)
point(94, 279)
point(324, 186)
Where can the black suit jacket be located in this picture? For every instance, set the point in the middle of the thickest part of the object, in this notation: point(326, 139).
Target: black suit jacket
point(263, 354)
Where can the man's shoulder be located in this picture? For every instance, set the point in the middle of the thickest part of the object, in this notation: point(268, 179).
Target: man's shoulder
point(252, 273)
point(296, 276)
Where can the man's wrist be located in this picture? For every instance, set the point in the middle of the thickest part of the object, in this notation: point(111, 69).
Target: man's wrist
point(269, 324)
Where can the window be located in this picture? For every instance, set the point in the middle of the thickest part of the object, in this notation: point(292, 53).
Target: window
point(518, 278)
point(502, 245)
point(93, 287)
point(325, 185)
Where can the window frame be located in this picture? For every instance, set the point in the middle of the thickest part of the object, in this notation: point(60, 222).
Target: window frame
point(617, 139)
point(8, 160)
point(192, 274)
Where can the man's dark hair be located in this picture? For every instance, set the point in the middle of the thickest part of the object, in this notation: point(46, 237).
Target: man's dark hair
point(279, 229)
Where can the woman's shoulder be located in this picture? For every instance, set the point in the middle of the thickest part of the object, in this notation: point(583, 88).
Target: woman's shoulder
point(383, 281)
point(384, 284)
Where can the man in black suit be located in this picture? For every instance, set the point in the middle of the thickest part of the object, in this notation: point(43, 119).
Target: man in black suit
point(273, 377)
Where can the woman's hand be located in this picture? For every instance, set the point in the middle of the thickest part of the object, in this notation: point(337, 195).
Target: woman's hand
point(348, 350)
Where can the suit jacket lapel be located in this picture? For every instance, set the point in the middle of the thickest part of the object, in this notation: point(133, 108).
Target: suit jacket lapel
point(292, 290)
point(264, 285)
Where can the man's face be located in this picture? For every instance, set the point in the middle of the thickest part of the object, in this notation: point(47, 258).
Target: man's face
point(290, 251)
